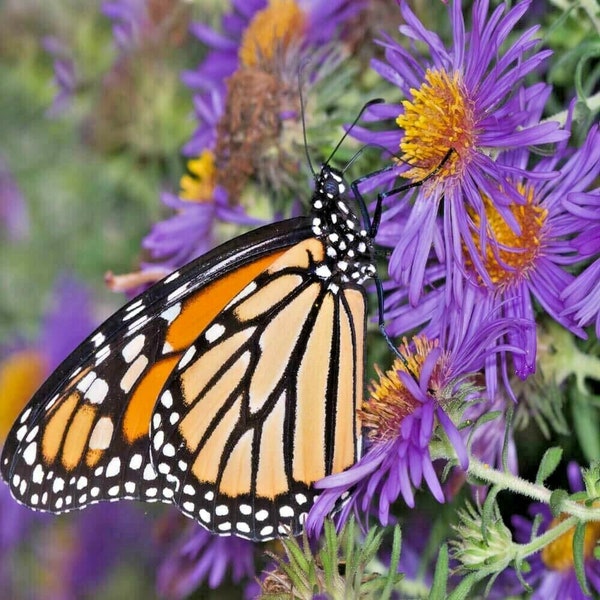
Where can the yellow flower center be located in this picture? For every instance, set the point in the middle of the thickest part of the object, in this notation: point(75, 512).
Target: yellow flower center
point(390, 402)
point(20, 376)
point(439, 117)
point(558, 555)
point(199, 186)
point(510, 256)
point(271, 30)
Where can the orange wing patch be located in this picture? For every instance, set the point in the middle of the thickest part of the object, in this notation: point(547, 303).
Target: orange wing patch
point(200, 310)
point(139, 410)
point(57, 425)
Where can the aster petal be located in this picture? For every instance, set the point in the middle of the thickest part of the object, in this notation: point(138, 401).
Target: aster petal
point(433, 483)
point(414, 29)
point(454, 437)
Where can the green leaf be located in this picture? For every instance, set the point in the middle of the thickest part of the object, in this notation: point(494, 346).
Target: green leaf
point(548, 464)
point(394, 561)
point(556, 501)
point(578, 556)
point(440, 577)
point(461, 591)
point(586, 422)
point(489, 511)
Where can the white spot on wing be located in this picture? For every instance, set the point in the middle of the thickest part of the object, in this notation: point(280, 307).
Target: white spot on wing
point(136, 462)
point(97, 391)
point(101, 434)
point(30, 453)
point(133, 373)
point(114, 466)
point(187, 357)
point(86, 381)
point(98, 339)
point(38, 474)
point(171, 277)
point(133, 348)
point(171, 313)
point(214, 332)
point(166, 399)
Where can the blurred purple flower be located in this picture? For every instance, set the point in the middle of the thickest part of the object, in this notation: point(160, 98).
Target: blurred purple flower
point(23, 368)
point(253, 29)
point(65, 76)
point(204, 558)
point(190, 232)
point(130, 19)
point(13, 209)
point(77, 554)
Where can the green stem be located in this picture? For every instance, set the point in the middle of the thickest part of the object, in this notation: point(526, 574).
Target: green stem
point(518, 485)
point(522, 551)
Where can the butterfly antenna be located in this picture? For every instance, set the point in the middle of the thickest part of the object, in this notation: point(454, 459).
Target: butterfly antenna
point(300, 69)
point(358, 116)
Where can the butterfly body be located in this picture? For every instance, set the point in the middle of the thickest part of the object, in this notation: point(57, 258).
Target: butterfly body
point(228, 388)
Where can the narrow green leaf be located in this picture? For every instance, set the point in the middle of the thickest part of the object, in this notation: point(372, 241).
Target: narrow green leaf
point(548, 464)
point(488, 512)
point(578, 556)
point(461, 591)
point(440, 577)
point(394, 561)
point(586, 423)
point(508, 428)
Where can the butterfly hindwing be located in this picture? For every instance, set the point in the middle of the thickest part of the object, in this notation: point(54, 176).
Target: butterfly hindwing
point(84, 436)
point(263, 402)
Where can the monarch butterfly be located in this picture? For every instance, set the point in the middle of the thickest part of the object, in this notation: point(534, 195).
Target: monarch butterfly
point(228, 388)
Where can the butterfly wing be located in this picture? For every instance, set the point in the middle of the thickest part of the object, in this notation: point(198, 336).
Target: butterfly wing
point(84, 436)
point(263, 402)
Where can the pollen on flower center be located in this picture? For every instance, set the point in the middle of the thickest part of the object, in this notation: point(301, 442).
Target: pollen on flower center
point(271, 29)
point(510, 256)
point(390, 401)
point(199, 186)
point(439, 117)
point(558, 555)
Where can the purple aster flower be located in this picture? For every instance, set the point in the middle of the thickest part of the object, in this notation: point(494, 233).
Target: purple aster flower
point(13, 210)
point(403, 417)
point(65, 76)
point(202, 557)
point(552, 573)
point(463, 104)
point(531, 260)
point(582, 296)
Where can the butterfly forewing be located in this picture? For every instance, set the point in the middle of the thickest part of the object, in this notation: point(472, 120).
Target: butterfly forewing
point(244, 439)
point(84, 435)
point(228, 388)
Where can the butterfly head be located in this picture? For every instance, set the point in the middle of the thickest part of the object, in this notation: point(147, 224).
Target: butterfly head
point(349, 247)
